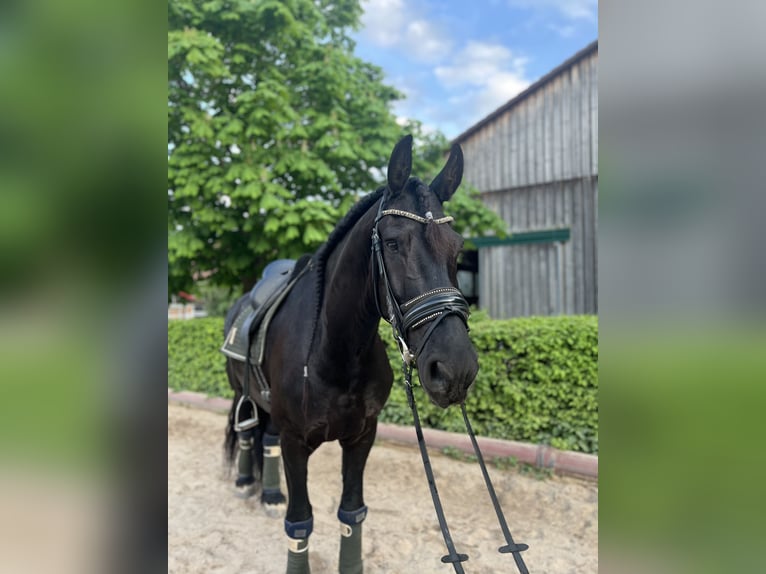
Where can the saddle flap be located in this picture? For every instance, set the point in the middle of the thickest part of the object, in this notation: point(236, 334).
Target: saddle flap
point(238, 338)
point(267, 293)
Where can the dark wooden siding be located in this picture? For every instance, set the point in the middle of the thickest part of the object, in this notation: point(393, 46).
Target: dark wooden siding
point(536, 163)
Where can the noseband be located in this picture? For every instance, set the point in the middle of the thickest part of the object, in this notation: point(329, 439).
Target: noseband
point(434, 305)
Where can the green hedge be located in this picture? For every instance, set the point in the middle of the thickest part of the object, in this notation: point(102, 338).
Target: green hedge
point(537, 381)
point(194, 362)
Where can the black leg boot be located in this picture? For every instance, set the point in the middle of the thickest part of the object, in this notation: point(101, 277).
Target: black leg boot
point(245, 484)
point(298, 546)
point(350, 561)
point(272, 492)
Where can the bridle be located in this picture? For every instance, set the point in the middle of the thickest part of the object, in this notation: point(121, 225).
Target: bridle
point(434, 305)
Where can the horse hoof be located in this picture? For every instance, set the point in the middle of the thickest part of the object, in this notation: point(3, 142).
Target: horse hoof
point(245, 491)
point(275, 497)
point(275, 510)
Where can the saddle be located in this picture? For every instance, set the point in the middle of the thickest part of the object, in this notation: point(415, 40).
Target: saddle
point(246, 339)
point(275, 277)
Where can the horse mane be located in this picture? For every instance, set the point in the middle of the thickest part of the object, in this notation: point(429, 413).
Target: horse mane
point(322, 254)
point(361, 207)
point(424, 198)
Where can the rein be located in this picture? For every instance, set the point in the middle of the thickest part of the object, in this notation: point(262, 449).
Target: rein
point(432, 306)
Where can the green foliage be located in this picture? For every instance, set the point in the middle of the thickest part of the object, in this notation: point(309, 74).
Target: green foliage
point(537, 382)
point(194, 363)
point(216, 299)
point(472, 217)
point(505, 462)
point(501, 462)
point(537, 379)
point(457, 454)
point(273, 128)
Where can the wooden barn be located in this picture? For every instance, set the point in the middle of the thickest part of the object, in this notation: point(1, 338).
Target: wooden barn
point(535, 160)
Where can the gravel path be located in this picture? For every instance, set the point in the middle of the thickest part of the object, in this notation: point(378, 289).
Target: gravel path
point(212, 532)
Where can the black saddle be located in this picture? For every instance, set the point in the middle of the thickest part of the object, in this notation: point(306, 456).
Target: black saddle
point(275, 276)
point(264, 299)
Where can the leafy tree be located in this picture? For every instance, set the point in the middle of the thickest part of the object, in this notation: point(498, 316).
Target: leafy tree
point(273, 128)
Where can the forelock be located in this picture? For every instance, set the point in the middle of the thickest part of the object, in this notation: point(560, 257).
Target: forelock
point(438, 235)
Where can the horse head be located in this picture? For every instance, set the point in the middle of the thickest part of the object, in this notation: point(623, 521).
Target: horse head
point(417, 252)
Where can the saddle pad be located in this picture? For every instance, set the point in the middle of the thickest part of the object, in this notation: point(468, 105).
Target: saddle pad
point(238, 338)
point(278, 279)
point(263, 295)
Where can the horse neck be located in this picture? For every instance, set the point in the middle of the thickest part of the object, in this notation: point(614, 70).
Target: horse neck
point(349, 317)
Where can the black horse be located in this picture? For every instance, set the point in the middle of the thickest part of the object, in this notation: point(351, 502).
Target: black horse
point(327, 368)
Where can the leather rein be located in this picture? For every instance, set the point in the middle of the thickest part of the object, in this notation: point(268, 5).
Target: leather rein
point(432, 306)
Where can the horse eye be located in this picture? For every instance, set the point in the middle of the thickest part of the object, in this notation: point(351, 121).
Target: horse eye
point(392, 245)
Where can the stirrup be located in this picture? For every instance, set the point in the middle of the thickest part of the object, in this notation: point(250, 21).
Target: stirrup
point(249, 423)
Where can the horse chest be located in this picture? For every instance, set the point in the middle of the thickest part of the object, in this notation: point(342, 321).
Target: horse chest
point(350, 404)
point(346, 412)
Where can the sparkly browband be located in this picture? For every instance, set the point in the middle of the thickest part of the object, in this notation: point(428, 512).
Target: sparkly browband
point(429, 216)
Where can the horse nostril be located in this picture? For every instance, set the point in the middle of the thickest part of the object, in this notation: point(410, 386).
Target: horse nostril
point(434, 370)
point(440, 371)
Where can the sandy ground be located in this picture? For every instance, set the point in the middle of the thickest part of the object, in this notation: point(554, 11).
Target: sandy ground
point(212, 531)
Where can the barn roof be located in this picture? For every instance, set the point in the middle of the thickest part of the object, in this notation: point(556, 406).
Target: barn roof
point(584, 53)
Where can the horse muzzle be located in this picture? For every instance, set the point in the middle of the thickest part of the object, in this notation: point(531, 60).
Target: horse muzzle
point(447, 370)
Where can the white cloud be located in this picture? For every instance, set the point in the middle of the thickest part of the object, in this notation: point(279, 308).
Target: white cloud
point(478, 63)
point(461, 81)
point(426, 42)
point(570, 9)
point(500, 89)
point(383, 21)
point(482, 77)
point(566, 31)
point(397, 24)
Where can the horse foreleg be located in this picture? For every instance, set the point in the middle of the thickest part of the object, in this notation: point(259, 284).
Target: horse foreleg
point(299, 519)
point(352, 511)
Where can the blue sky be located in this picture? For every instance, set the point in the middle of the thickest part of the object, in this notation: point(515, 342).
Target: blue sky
point(457, 61)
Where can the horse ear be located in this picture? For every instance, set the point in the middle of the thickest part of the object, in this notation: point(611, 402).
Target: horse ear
point(449, 178)
point(400, 165)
